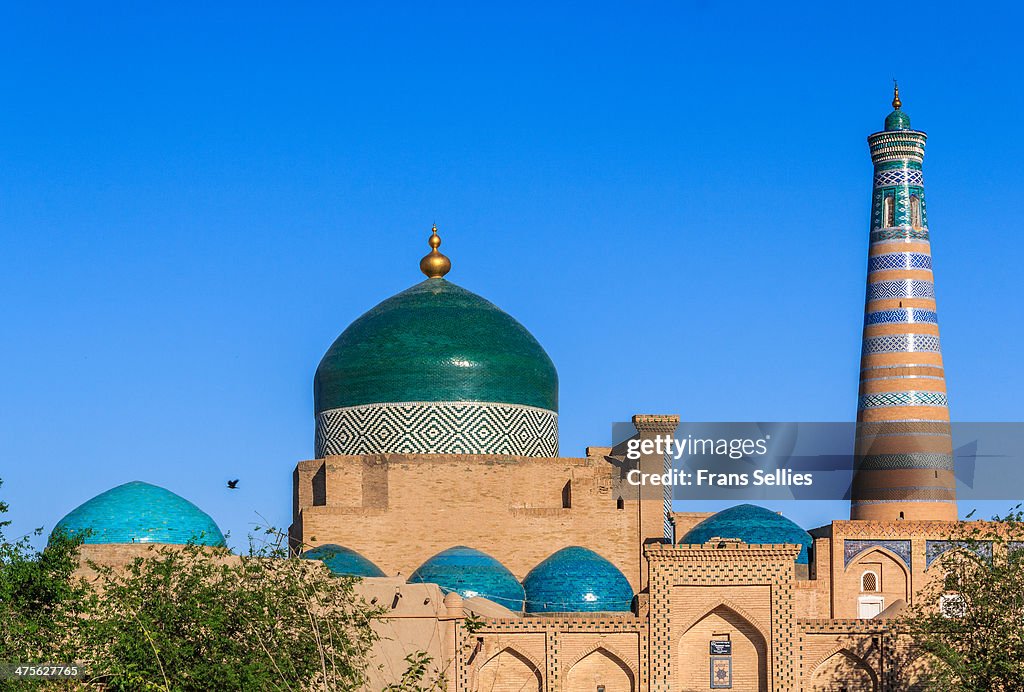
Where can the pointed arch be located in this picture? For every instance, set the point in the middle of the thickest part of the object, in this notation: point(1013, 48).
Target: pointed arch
point(600, 667)
point(751, 646)
point(612, 651)
point(857, 662)
point(867, 552)
point(514, 651)
point(527, 677)
point(957, 550)
point(737, 610)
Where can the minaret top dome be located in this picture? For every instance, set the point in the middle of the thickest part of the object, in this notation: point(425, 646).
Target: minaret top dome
point(897, 120)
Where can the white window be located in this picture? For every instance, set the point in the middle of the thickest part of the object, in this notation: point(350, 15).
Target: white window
point(952, 605)
point(869, 582)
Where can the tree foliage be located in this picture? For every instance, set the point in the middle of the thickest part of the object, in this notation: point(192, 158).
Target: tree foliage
point(40, 603)
point(193, 618)
point(185, 618)
point(969, 618)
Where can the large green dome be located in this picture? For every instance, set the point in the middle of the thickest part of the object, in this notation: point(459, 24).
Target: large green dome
point(435, 341)
point(436, 369)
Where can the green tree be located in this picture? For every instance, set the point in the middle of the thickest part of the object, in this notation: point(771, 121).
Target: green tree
point(40, 603)
point(184, 618)
point(969, 619)
point(195, 618)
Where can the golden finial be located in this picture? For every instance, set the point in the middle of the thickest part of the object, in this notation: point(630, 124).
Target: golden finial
point(435, 265)
point(896, 103)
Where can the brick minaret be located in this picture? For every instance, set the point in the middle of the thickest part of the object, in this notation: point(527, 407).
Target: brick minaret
point(904, 450)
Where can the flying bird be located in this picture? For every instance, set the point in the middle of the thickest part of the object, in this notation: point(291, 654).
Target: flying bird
point(233, 485)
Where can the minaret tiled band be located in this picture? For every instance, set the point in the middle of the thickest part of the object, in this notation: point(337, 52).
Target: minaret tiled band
point(904, 450)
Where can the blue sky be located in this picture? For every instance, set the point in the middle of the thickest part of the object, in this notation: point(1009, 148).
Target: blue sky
point(672, 196)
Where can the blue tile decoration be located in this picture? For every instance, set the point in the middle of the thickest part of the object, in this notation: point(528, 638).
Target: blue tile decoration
point(343, 561)
point(889, 146)
point(901, 316)
point(854, 547)
point(905, 233)
point(470, 573)
point(138, 512)
point(751, 524)
point(885, 399)
point(899, 260)
point(901, 288)
point(896, 164)
point(902, 213)
point(933, 550)
point(893, 343)
point(577, 580)
point(898, 176)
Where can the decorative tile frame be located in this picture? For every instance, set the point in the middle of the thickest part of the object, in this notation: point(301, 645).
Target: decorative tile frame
point(933, 550)
point(852, 548)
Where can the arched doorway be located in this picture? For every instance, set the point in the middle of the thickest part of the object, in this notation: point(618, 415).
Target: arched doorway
point(600, 669)
point(509, 671)
point(843, 672)
point(749, 658)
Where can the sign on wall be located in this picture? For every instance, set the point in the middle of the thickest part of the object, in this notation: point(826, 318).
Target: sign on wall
point(721, 647)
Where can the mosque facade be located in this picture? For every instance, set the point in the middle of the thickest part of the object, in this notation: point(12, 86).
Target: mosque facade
point(437, 480)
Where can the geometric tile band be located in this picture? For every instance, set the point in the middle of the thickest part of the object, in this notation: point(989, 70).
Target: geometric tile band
point(898, 233)
point(886, 399)
point(912, 460)
point(901, 343)
point(853, 548)
point(457, 427)
point(899, 260)
point(936, 549)
point(898, 176)
point(893, 146)
point(901, 288)
point(902, 315)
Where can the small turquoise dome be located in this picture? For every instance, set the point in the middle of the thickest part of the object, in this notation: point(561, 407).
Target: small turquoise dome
point(470, 573)
point(751, 524)
point(435, 342)
point(138, 512)
point(343, 561)
point(577, 580)
point(897, 120)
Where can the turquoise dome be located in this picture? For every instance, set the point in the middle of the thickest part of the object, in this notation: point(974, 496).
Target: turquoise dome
point(343, 561)
point(751, 524)
point(470, 573)
point(138, 512)
point(435, 342)
point(897, 120)
point(577, 580)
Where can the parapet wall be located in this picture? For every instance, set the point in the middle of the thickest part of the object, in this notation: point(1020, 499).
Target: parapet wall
point(399, 510)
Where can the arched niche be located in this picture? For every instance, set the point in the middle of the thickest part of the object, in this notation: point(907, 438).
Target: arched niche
point(599, 668)
point(509, 670)
point(843, 670)
point(891, 581)
point(749, 651)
